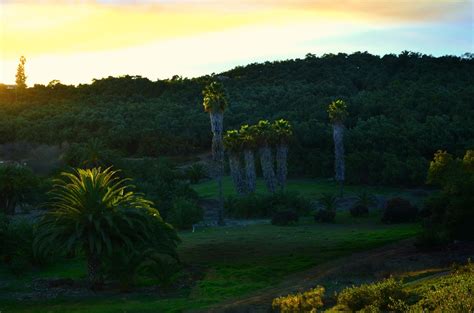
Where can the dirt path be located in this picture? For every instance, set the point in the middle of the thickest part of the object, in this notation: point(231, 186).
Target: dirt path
point(394, 259)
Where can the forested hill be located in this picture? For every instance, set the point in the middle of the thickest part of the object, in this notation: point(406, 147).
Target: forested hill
point(401, 110)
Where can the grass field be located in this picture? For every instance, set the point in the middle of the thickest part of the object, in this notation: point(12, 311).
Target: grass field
point(312, 188)
point(236, 261)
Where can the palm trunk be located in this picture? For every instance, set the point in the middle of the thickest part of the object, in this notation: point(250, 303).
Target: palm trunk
point(217, 122)
point(236, 173)
point(93, 272)
point(338, 136)
point(250, 175)
point(266, 161)
point(281, 163)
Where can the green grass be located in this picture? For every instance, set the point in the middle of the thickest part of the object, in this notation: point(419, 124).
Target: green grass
point(312, 188)
point(238, 261)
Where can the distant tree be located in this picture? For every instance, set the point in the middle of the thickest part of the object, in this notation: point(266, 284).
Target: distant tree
point(248, 136)
point(215, 103)
point(283, 132)
point(337, 111)
point(233, 145)
point(16, 183)
point(265, 139)
point(96, 212)
point(20, 74)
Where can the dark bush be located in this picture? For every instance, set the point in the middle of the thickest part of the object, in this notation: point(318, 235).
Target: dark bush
point(184, 214)
point(359, 211)
point(284, 218)
point(196, 173)
point(399, 210)
point(325, 216)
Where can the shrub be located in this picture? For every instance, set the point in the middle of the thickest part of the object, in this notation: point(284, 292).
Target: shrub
point(328, 213)
point(399, 210)
point(365, 199)
point(307, 302)
point(196, 173)
point(325, 216)
point(184, 213)
point(371, 297)
point(359, 211)
point(284, 218)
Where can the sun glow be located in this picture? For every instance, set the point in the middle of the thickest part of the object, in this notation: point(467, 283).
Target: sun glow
point(75, 41)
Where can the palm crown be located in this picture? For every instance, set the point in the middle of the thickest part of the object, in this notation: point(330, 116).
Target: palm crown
point(248, 135)
point(214, 99)
point(337, 111)
point(265, 132)
point(283, 130)
point(95, 211)
point(233, 141)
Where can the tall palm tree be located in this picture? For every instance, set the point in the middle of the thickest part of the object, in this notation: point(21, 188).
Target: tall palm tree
point(265, 139)
point(215, 103)
point(283, 132)
point(233, 145)
point(97, 213)
point(248, 135)
point(337, 111)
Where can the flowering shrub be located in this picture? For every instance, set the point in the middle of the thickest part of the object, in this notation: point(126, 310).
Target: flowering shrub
point(307, 302)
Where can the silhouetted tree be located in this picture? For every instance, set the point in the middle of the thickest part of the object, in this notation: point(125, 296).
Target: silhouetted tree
point(337, 114)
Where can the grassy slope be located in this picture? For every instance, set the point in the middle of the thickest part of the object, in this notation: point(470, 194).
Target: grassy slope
point(238, 260)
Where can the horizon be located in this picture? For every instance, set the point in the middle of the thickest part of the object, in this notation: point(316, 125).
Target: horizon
point(160, 39)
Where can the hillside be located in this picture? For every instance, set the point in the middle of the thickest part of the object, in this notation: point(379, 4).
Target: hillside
point(401, 110)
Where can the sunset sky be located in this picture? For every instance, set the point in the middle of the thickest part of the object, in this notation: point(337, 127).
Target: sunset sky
point(76, 41)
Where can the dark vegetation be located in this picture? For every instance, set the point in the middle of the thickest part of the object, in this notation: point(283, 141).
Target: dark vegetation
point(402, 109)
point(452, 292)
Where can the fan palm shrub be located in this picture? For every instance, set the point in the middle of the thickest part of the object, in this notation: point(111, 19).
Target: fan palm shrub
point(283, 132)
point(215, 103)
point(97, 213)
point(233, 145)
point(248, 136)
point(265, 139)
point(337, 111)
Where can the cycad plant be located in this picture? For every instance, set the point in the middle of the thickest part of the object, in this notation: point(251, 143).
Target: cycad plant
point(215, 103)
point(233, 145)
point(337, 111)
point(95, 212)
point(265, 139)
point(283, 132)
point(248, 135)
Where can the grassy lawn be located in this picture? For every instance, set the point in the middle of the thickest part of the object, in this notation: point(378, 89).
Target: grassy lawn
point(312, 188)
point(236, 260)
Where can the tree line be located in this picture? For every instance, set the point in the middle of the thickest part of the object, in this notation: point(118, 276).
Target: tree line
point(401, 110)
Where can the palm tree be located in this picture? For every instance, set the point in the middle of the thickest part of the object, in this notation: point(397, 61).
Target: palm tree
point(283, 132)
point(337, 114)
point(233, 144)
point(97, 213)
point(215, 103)
point(265, 138)
point(248, 136)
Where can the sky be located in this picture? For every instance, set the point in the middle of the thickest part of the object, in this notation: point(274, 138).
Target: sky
point(77, 41)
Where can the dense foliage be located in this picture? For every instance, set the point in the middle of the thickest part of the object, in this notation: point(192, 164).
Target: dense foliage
point(401, 110)
point(95, 212)
point(306, 302)
point(399, 210)
point(17, 187)
point(450, 212)
point(453, 292)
